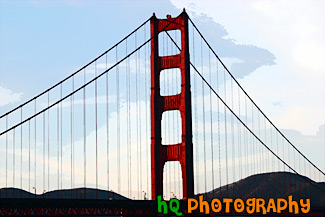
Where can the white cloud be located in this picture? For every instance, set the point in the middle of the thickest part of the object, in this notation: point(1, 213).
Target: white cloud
point(294, 33)
point(7, 96)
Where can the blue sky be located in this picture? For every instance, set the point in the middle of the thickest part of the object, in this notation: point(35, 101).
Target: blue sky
point(274, 48)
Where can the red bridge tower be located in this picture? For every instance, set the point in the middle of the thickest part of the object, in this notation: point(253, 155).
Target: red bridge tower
point(182, 152)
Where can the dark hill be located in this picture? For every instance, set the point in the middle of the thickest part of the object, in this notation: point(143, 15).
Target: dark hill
point(78, 193)
point(274, 185)
point(266, 185)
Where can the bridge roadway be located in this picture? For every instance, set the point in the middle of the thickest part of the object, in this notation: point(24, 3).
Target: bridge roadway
point(103, 207)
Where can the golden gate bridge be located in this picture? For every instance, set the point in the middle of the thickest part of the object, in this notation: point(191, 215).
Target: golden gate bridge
point(158, 113)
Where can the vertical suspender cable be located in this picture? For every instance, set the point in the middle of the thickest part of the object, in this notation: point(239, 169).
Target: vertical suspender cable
point(137, 114)
point(278, 152)
point(35, 147)
point(72, 134)
point(48, 142)
point(168, 124)
point(118, 124)
point(21, 151)
point(58, 146)
point(130, 128)
point(178, 85)
point(165, 123)
point(140, 111)
point(13, 160)
point(107, 130)
point(28, 157)
point(71, 146)
point(84, 135)
point(61, 139)
point(225, 114)
point(43, 154)
point(196, 123)
point(178, 134)
point(294, 164)
point(6, 154)
point(127, 117)
point(285, 184)
point(203, 113)
point(253, 150)
point(266, 157)
point(239, 139)
point(96, 130)
point(219, 138)
point(211, 128)
point(233, 138)
point(146, 105)
point(272, 159)
point(289, 170)
point(259, 153)
point(246, 138)
point(259, 135)
point(174, 80)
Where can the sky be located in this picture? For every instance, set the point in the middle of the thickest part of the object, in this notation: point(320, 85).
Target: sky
point(275, 49)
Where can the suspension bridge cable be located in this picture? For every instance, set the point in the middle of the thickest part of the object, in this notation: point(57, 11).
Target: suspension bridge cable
point(68, 95)
point(252, 131)
point(82, 68)
point(245, 125)
point(253, 101)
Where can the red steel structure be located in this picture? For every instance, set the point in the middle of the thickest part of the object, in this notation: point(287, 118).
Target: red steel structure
point(182, 152)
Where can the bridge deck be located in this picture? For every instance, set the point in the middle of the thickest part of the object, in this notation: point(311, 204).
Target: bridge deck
point(100, 207)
